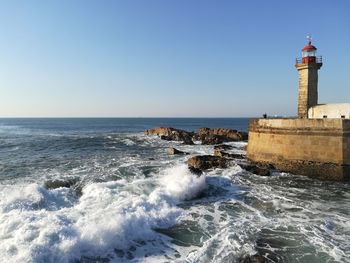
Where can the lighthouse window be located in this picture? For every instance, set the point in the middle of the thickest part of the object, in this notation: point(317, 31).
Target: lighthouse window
point(324, 116)
point(342, 116)
point(310, 53)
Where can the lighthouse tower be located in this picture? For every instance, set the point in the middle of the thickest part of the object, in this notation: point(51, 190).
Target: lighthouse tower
point(307, 67)
point(316, 144)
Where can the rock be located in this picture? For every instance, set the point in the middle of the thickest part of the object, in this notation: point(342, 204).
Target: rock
point(262, 170)
point(187, 140)
point(171, 134)
point(204, 162)
point(195, 171)
point(53, 184)
point(211, 139)
point(252, 259)
point(173, 151)
point(165, 137)
point(229, 134)
point(206, 135)
point(221, 153)
point(159, 131)
point(223, 147)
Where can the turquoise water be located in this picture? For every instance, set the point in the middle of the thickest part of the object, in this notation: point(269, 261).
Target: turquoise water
point(126, 200)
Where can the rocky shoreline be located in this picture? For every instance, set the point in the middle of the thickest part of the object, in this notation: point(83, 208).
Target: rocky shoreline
point(222, 157)
point(216, 137)
point(205, 135)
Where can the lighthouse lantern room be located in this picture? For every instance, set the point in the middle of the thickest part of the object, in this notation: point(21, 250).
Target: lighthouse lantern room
point(309, 53)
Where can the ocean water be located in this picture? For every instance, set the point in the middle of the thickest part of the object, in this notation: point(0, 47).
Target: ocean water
point(125, 200)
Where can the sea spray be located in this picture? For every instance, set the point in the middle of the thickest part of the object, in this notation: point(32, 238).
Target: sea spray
point(180, 183)
point(107, 217)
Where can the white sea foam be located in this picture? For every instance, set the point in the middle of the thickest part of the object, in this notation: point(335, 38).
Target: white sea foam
point(37, 226)
point(128, 142)
point(178, 182)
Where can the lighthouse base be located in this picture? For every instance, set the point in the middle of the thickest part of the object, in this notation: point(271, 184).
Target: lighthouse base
point(318, 148)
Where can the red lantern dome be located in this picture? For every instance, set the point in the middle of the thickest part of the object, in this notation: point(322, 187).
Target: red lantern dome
point(309, 53)
point(309, 47)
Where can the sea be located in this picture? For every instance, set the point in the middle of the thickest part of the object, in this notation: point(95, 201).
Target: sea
point(87, 190)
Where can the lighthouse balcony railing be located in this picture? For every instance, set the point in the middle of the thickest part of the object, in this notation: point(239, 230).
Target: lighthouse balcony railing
point(300, 60)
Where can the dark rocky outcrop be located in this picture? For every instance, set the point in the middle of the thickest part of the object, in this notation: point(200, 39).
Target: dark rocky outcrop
point(205, 135)
point(223, 147)
point(174, 151)
point(194, 170)
point(252, 259)
point(171, 134)
point(53, 184)
point(160, 131)
point(165, 138)
point(221, 153)
point(258, 169)
point(205, 162)
point(228, 134)
point(187, 140)
point(210, 139)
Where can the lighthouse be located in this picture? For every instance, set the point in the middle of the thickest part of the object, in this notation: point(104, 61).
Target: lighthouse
point(317, 143)
point(307, 67)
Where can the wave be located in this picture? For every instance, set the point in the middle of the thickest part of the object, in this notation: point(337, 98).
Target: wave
point(41, 225)
point(131, 207)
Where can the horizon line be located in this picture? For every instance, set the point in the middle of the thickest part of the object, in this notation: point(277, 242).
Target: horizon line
point(118, 117)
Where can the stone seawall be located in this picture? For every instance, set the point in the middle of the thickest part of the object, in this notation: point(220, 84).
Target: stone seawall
point(313, 147)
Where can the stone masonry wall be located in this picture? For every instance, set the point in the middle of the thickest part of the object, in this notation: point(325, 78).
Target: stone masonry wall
point(314, 147)
point(303, 94)
point(307, 91)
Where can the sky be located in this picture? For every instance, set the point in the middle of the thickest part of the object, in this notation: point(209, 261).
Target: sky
point(162, 58)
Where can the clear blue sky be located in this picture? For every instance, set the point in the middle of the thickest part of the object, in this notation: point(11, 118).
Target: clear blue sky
point(185, 58)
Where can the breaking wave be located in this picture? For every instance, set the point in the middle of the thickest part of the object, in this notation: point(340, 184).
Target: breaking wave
point(41, 225)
